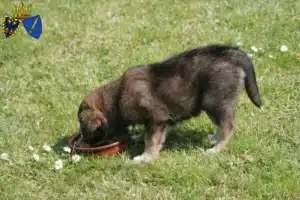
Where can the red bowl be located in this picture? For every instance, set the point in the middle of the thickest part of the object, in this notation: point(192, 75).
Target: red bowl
point(110, 149)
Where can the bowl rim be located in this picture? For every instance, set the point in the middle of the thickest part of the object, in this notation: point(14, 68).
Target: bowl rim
point(97, 148)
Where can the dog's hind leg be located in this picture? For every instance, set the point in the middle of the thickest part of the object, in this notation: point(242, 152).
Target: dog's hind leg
point(154, 139)
point(212, 136)
point(220, 99)
point(224, 119)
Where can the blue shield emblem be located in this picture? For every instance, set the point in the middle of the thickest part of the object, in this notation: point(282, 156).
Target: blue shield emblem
point(33, 26)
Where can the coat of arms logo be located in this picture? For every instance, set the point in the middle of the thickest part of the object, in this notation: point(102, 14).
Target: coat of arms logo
point(22, 15)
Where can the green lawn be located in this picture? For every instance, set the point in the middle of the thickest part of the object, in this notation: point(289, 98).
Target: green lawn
point(88, 43)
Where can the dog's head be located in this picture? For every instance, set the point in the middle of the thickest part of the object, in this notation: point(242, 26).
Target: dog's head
point(93, 123)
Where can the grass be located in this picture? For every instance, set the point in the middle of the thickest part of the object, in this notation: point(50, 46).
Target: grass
point(88, 43)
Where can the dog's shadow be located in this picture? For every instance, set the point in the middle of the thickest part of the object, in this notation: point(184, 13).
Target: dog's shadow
point(177, 139)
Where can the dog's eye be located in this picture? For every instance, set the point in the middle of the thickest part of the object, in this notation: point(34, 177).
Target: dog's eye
point(100, 129)
point(85, 106)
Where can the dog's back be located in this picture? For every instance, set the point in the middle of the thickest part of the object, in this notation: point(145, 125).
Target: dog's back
point(203, 78)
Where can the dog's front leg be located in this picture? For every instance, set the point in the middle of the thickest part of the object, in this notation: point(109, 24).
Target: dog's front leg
point(154, 139)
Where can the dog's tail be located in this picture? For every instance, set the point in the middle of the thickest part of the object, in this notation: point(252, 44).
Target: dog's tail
point(251, 84)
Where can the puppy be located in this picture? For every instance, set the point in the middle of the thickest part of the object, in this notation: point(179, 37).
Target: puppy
point(162, 94)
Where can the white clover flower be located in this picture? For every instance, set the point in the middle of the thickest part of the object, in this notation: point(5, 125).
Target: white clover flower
point(31, 148)
point(261, 49)
point(249, 158)
point(4, 156)
point(239, 43)
point(35, 157)
point(67, 149)
point(284, 48)
point(76, 158)
point(254, 49)
point(47, 147)
point(58, 164)
point(250, 55)
point(270, 56)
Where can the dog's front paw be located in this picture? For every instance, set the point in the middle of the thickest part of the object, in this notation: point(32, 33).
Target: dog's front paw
point(137, 159)
point(144, 158)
